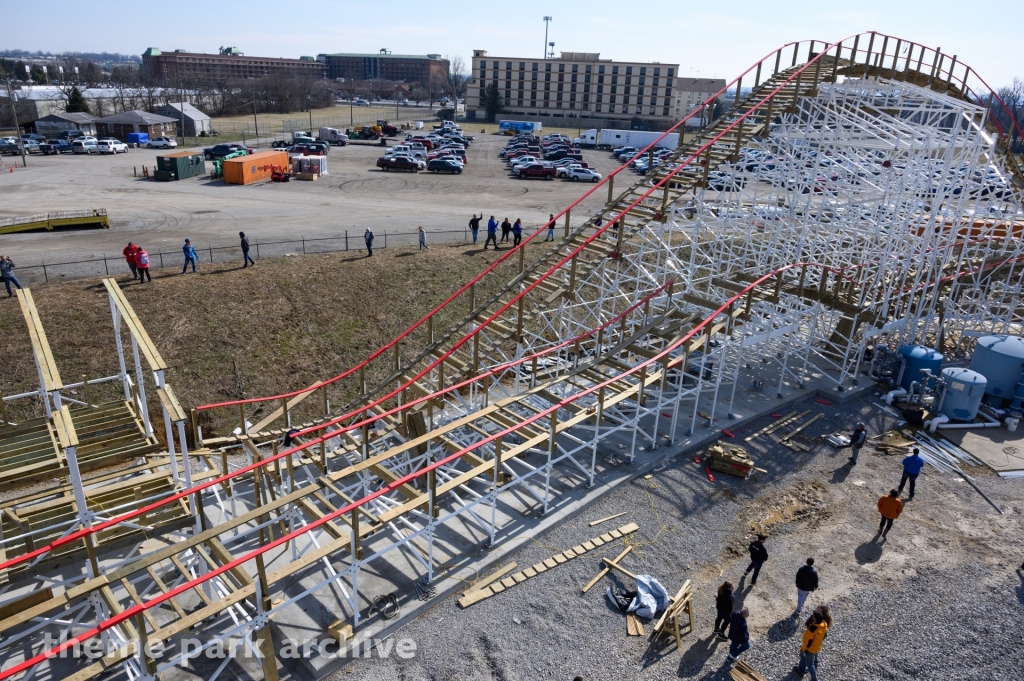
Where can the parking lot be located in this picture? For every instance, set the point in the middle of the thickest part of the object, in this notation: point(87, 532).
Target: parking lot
point(355, 194)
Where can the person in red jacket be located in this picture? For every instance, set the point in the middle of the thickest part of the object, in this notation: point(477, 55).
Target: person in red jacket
point(142, 264)
point(129, 257)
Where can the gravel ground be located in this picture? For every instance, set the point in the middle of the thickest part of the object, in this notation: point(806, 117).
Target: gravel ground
point(940, 599)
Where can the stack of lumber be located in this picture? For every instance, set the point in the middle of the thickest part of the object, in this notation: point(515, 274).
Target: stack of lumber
point(731, 459)
point(744, 672)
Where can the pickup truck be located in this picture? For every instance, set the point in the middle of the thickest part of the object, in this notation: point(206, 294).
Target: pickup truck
point(222, 150)
point(31, 146)
point(563, 153)
point(56, 147)
point(536, 170)
point(400, 162)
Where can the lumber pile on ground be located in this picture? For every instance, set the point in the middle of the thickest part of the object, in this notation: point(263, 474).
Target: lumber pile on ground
point(498, 586)
point(742, 671)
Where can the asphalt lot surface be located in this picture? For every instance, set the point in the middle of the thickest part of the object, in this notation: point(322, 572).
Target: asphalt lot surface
point(355, 194)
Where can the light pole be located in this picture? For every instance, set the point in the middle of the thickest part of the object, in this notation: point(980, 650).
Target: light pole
point(547, 20)
point(396, 103)
point(17, 126)
point(309, 105)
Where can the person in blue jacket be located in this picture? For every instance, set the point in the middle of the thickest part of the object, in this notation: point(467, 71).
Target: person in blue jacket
point(190, 256)
point(912, 466)
point(739, 634)
point(492, 233)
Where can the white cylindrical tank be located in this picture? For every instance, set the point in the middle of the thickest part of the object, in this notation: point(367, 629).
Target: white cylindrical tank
point(964, 390)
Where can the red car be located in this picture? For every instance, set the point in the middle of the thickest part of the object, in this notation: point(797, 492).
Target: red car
point(425, 141)
point(536, 170)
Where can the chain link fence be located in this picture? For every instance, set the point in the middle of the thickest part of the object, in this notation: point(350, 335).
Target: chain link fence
point(34, 274)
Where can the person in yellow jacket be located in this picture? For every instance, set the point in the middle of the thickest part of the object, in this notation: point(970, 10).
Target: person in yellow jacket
point(890, 507)
point(813, 636)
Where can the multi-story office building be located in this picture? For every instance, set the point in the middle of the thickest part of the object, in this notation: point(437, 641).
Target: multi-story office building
point(228, 64)
point(409, 68)
point(577, 83)
point(691, 92)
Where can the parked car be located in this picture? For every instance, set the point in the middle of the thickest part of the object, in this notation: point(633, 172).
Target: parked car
point(307, 150)
point(39, 139)
point(563, 167)
point(361, 102)
point(400, 162)
point(55, 147)
point(162, 143)
point(536, 170)
point(221, 150)
point(111, 146)
point(84, 145)
point(563, 153)
point(70, 134)
point(442, 165)
point(577, 173)
point(404, 149)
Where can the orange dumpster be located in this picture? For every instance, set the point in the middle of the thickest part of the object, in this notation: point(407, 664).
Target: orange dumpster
point(249, 169)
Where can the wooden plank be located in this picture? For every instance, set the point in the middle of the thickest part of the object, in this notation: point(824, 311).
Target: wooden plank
point(135, 327)
point(40, 346)
point(29, 600)
point(796, 430)
point(616, 566)
point(634, 627)
point(65, 428)
point(605, 570)
point(611, 517)
point(771, 426)
point(170, 403)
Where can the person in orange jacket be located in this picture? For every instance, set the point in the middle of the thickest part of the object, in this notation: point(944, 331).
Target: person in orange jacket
point(890, 507)
point(813, 637)
point(129, 256)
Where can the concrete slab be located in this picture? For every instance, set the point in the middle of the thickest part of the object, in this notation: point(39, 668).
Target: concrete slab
point(998, 448)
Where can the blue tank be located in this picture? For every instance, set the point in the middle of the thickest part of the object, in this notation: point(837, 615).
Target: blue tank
point(1000, 359)
point(915, 358)
point(964, 390)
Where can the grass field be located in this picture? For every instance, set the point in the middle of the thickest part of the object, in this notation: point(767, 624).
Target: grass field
point(228, 333)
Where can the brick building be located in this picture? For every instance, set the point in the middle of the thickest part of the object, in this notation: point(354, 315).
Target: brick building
point(228, 64)
point(690, 92)
point(409, 68)
point(119, 125)
point(577, 83)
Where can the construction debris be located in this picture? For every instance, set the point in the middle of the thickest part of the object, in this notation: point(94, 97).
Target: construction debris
point(606, 570)
point(543, 566)
point(731, 459)
point(946, 457)
point(634, 627)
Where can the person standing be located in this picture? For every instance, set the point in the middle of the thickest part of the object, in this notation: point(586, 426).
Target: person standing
point(129, 257)
point(506, 227)
point(739, 634)
point(142, 264)
point(7, 274)
point(492, 233)
point(190, 256)
point(423, 239)
point(723, 608)
point(758, 557)
point(857, 441)
point(245, 251)
point(890, 507)
point(814, 634)
point(912, 466)
point(368, 238)
point(806, 582)
point(517, 232)
point(551, 227)
point(474, 226)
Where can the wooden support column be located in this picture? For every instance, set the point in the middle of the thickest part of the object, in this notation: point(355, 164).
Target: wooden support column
point(147, 662)
point(757, 76)
point(571, 291)
point(432, 479)
point(619, 236)
point(611, 183)
point(440, 375)
point(472, 297)
point(284, 410)
point(522, 258)
point(568, 215)
point(739, 89)
point(355, 533)
point(476, 352)
point(519, 319)
point(241, 420)
point(778, 58)
point(430, 330)
point(397, 360)
point(85, 387)
point(323, 399)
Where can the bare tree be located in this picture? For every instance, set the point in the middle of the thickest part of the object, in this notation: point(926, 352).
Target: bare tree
point(456, 79)
point(1013, 97)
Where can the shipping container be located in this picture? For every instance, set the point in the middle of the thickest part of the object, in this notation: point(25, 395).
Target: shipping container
point(249, 169)
point(520, 126)
point(180, 164)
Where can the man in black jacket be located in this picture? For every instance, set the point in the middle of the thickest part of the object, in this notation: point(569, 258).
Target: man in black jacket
point(739, 634)
point(245, 250)
point(806, 582)
point(758, 556)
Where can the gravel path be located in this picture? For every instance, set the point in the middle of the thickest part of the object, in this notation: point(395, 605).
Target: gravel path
point(940, 599)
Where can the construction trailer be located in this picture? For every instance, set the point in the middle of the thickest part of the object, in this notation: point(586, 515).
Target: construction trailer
point(253, 168)
point(179, 165)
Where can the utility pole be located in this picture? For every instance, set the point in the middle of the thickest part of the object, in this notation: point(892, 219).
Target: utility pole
point(255, 121)
point(14, 108)
point(547, 20)
point(181, 100)
point(309, 105)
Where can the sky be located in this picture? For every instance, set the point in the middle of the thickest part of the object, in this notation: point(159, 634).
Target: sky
point(718, 38)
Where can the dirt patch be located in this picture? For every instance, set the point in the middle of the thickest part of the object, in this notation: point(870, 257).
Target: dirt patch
point(803, 501)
